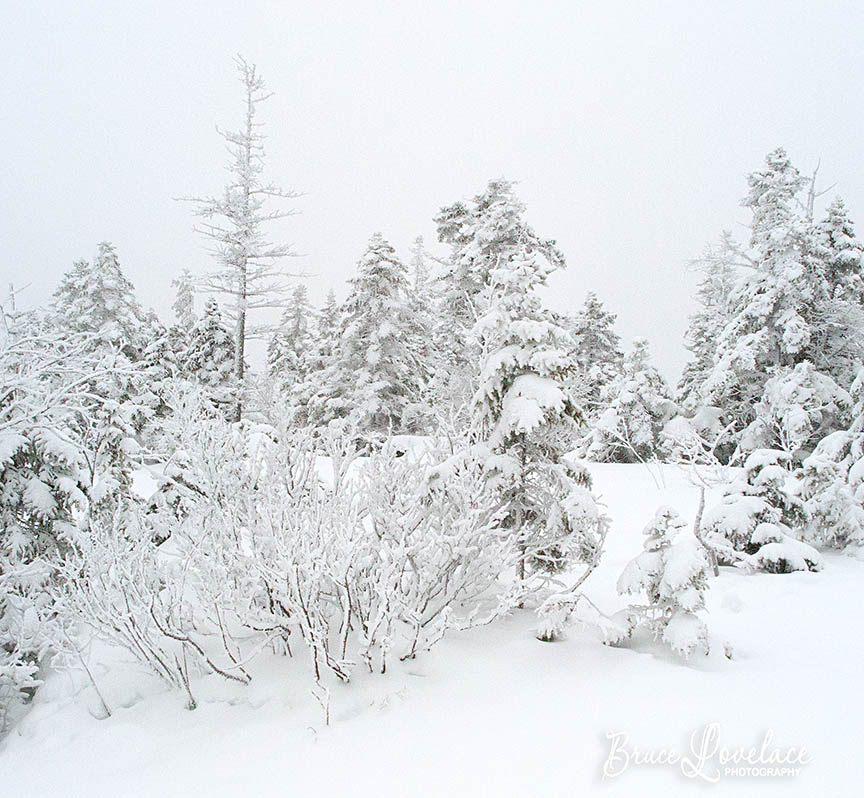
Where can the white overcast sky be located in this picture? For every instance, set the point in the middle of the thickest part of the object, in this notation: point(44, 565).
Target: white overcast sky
point(630, 127)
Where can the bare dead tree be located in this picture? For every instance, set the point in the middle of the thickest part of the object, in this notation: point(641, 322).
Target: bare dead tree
point(248, 270)
point(813, 194)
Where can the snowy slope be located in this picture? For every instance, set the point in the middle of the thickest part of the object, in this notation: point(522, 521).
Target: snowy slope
point(493, 711)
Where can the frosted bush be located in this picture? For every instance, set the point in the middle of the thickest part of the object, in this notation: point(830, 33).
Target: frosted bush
point(753, 524)
point(672, 575)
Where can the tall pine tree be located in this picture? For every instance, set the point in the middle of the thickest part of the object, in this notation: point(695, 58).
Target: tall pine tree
point(525, 420)
point(97, 303)
point(483, 235)
point(789, 305)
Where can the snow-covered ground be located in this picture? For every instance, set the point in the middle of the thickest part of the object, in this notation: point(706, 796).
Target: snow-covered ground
point(493, 711)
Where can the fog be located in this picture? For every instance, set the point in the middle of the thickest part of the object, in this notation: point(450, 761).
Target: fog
point(630, 130)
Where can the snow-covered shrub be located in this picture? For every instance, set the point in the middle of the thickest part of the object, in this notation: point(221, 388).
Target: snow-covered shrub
point(799, 406)
point(43, 482)
point(294, 541)
point(833, 495)
point(141, 597)
point(381, 563)
point(25, 599)
point(672, 574)
point(446, 538)
point(697, 440)
point(753, 524)
point(207, 459)
point(832, 482)
point(560, 610)
point(779, 553)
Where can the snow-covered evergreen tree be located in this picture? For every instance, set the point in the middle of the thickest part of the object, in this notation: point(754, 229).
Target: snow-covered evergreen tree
point(832, 482)
point(97, 303)
point(672, 573)
point(160, 368)
point(184, 314)
point(630, 429)
point(43, 484)
point(755, 523)
point(327, 328)
point(424, 300)
point(487, 232)
point(99, 300)
point(209, 359)
point(184, 301)
point(291, 345)
point(770, 326)
point(305, 405)
point(799, 406)
point(419, 267)
point(791, 303)
point(838, 345)
point(374, 373)
point(598, 352)
point(842, 253)
point(526, 420)
point(158, 360)
point(720, 268)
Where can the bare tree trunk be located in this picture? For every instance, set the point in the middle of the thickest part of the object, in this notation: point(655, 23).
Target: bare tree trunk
point(697, 531)
point(240, 348)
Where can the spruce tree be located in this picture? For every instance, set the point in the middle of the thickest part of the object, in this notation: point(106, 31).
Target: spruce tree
point(305, 402)
point(98, 300)
point(838, 345)
point(291, 346)
point(209, 359)
point(842, 252)
point(780, 328)
point(525, 420)
point(184, 302)
point(630, 429)
point(756, 523)
point(598, 352)
point(483, 234)
point(720, 269)
point(672, 574)
point(780, 310)
point(374, 374)
point(44, 485)
point(832, 482)
point(97, 303)
point(327, 329)
point(419, 267)
point(184, 314)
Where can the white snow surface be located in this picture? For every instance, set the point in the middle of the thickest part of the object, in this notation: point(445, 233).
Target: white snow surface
point(493, 711)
